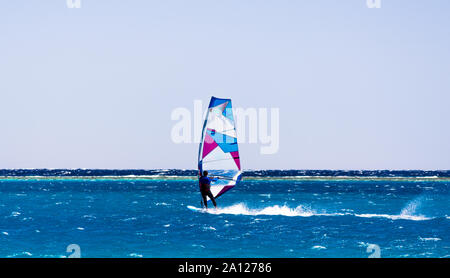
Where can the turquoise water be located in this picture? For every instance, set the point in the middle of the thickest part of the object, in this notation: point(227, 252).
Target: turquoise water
point(131, 217)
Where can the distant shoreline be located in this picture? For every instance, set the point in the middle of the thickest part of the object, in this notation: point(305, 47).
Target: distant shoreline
point(249, 175)
point(249, 178)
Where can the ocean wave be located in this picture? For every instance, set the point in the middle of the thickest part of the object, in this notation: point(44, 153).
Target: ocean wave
point(395, 217)
point(242, 209)
point(429, 239)
point(21, 254)
point(318, 247)
point(299, 211)
point(129, 219)
point(135, 255)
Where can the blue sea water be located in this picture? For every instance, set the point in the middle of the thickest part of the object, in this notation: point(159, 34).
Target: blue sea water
point(144, 213)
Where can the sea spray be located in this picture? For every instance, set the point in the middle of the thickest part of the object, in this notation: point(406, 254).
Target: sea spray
point(300, 210)
point(242, 209)
point(412, 207)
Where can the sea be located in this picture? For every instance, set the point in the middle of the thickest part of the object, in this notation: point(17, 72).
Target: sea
point(91, 213)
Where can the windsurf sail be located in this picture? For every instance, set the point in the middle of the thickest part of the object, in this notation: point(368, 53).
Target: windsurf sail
point(218, 152)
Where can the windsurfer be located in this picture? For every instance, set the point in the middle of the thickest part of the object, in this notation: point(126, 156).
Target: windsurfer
point(205, 189)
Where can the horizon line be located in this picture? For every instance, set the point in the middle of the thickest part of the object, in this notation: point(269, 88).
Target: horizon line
point(193, 169)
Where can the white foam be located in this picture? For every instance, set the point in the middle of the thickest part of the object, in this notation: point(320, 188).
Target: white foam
point(25, 253)
point(265, 195)
point(242, 209)
point(429, 238)
point(412, 206)
point(198, 245)
point(318, 247)
point(394, 217)
point(302, 211)
point(135, 255)
point(129, 219)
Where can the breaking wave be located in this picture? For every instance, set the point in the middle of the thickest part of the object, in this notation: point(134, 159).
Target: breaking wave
point(299, 211)
point(242, 209)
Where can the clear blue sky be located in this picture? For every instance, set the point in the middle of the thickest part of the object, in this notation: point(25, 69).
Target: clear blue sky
point(357, 88)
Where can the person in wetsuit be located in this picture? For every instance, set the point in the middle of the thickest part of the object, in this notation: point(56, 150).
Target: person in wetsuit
point(205, 189)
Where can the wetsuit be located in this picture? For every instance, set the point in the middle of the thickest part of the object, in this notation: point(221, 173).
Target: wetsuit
point(205, 190)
